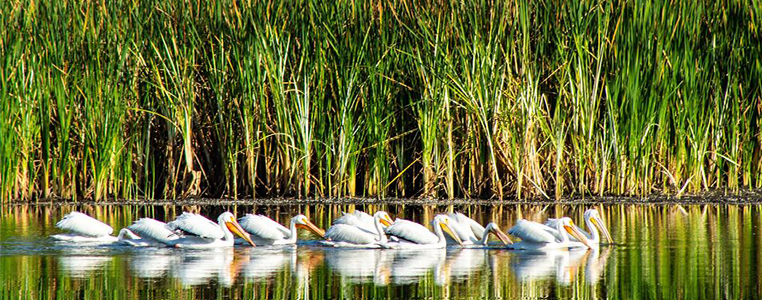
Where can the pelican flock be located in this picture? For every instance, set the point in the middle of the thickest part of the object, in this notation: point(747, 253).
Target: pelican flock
point(359, 246)
point(352, 230)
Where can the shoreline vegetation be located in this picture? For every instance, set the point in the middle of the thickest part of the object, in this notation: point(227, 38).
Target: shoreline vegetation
point(711, 198)
point(330, 99)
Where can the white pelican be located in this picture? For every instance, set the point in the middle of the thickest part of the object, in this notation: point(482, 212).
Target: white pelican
point(358, 219)
point(344, 235)
point(415, 236)
point(536, 236)
point(473, 234)
point(264, 230)
point(203, 233)
point(148, 232)
point(84, 229)
point(593, 222)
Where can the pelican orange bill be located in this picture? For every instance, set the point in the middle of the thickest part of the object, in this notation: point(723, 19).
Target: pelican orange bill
point(448, 230)
point(598, 223)
point(576, 234)
point(235, 228)
point(502, 237)
point(385, 220)
point(311, 227)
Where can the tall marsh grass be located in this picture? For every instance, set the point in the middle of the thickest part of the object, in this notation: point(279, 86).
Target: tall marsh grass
point(172, 99)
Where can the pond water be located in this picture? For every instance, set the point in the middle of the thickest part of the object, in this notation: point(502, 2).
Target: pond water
point(661, 251)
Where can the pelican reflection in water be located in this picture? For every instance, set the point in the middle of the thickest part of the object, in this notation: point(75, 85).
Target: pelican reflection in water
point(266, 262)
point(412, 265)
point(596, 264)
point(153, 262)
point(383, 266)
point(361, 265)
point(82, 266)
point(562, 266)
point(200, 267)
point(460, 264)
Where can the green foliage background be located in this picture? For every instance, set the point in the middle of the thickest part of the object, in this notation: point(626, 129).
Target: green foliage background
point(170, 99)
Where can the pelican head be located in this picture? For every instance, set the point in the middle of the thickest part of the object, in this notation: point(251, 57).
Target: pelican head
point(567, 224)
point(228, 219)
point(494, 229)
point(595, 218)
point(384, 218)
point(444, 222)
point(303, 222)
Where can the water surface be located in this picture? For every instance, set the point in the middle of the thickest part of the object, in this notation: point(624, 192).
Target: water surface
point(661, 251)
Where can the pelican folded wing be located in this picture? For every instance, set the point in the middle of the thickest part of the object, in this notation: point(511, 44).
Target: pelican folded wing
point(197, 225)
point(411, 231)
point(263, 227)
point(532, 232)
point(84, 225)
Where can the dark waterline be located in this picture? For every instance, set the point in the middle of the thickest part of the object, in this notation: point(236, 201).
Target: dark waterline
point(661, 251)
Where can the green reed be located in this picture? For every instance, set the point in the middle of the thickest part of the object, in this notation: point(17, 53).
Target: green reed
point(324, 99)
